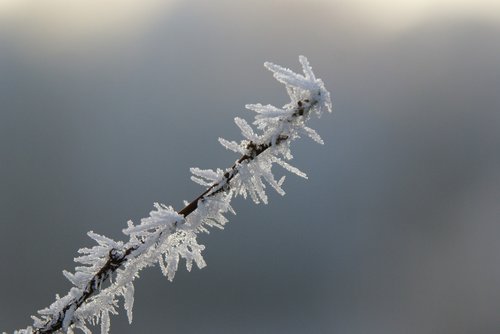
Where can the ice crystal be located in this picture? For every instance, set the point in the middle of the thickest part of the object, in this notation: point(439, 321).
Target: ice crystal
point(167, 237)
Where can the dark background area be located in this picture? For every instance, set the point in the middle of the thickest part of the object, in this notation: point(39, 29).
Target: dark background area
point(103, 109)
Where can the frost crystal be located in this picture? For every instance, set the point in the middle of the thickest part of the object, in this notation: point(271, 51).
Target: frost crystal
point(167, 237)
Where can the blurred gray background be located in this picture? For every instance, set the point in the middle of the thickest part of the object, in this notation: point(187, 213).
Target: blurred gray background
point(104, 106)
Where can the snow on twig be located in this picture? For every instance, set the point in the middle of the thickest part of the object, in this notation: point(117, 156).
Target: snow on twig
point(107, 271)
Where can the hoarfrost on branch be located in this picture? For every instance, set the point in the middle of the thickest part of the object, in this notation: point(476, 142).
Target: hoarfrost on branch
point(107, 270)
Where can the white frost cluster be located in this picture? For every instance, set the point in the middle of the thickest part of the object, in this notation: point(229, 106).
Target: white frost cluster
point(107, 270)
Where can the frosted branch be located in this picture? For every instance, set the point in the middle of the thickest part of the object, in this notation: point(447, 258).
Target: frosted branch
point(107, 271)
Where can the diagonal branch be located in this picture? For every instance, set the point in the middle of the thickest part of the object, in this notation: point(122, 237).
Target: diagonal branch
point(167, 236)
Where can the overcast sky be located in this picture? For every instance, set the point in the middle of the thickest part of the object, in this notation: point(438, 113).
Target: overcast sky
point(106, 105)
